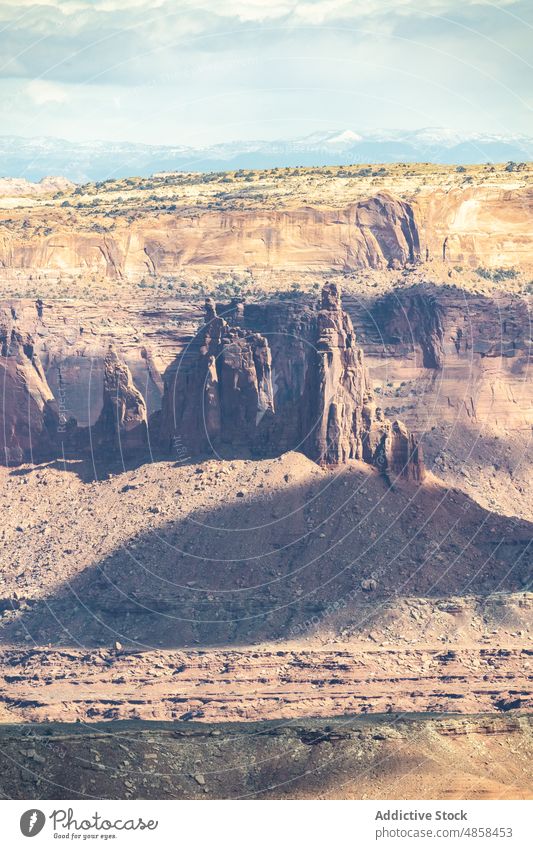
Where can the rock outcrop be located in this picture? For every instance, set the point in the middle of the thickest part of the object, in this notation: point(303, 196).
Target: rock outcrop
point(219, 388)
point(29, 418)
point(274, 377)
point(122, 425)
point(338, 408)
point(393, 450)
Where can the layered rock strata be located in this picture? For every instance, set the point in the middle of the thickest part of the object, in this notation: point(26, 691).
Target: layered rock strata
point(485, 225)
point(371, 233)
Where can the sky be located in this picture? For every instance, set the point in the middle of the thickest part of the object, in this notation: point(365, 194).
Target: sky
point(208, 71)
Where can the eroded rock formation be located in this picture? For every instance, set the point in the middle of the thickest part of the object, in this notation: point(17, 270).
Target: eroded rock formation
point(219, 388)
point(475, 225)
point(274, 377)
point(29, 419)
point(122, 425)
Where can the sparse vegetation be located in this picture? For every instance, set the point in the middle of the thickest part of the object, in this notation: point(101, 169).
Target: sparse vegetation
point(497, 275)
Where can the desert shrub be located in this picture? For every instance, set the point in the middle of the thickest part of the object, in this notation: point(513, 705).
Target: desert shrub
point(497, 275)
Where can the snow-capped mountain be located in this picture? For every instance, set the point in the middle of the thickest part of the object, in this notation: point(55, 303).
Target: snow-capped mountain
point(34, 158)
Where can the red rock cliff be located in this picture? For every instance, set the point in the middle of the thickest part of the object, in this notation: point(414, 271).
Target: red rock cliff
point(281, 376)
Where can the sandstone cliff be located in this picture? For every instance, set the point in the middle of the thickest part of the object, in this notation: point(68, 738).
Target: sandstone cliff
point(471, 226)
point(371, 233)
point(29, 419)
point(122, 425)
point(444, 355)
point(480, 225)
point(276, 377)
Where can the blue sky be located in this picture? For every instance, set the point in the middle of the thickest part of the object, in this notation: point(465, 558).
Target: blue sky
point(202, 72)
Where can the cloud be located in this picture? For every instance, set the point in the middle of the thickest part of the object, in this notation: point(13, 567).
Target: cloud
point(42, 91)
point(312, 12)
point(205, 69)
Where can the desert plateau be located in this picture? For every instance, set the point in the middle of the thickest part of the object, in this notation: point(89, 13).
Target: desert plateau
point(266, 484)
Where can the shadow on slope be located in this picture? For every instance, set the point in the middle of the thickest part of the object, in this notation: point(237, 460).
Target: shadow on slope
point(380, 757)
point(272, 567)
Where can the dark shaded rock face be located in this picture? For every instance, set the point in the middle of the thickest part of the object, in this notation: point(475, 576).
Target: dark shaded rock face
point(122, 425)
point(413, 318)
point(218, 391)
point(259, 379)
point(29, 419)
point(281, 376)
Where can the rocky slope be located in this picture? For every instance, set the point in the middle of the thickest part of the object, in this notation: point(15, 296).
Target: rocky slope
point(393, 757)
point(252, 589)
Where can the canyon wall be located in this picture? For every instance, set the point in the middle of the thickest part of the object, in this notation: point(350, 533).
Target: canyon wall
point(219, 393)
point(472, 226)
point(372, 233)
point(489, 226)
point(450, 356)
point(436, 355)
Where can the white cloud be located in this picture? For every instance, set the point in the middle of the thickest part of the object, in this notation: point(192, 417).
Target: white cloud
point(205, 70)
point(313, 12)
point(42, 91)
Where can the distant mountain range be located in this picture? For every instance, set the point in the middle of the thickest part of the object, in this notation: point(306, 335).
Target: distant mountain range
point(35, 158)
